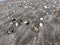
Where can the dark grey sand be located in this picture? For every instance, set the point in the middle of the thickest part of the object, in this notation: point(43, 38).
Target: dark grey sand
point(30, 22)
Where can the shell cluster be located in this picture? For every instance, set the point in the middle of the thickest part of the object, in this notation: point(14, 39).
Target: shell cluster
point(24, 16)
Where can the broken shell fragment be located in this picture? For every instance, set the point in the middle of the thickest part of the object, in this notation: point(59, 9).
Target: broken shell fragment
point(10, 31)
point(58, 14)
point(35, 29)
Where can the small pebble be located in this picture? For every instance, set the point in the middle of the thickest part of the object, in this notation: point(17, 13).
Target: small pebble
point(14, 11)
point(16, 24)
point(20, 4)
point(41, 24)
point(11, 23)
point(8, 17)
point(25, 6)
point(24, 1)
point(9, 5)
point(31, 3)
point(41, 18)
point(26, 22)
point(13, 19)
point(45, 7)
